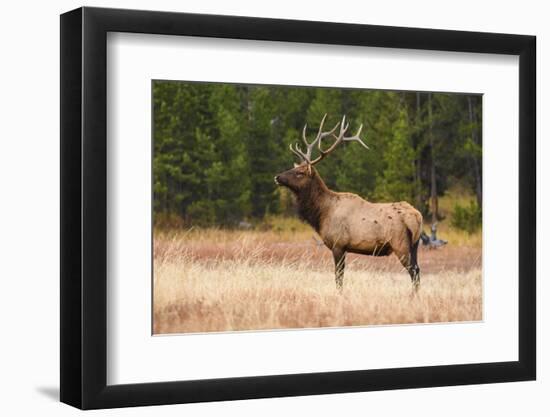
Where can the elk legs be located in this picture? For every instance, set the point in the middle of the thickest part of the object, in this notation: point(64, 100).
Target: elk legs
point(410, 262)
point(339, 265)
point(414, 270)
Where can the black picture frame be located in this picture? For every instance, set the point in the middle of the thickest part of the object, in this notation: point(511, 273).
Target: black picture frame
point(84, 207)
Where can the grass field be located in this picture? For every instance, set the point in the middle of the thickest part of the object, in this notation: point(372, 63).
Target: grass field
point(208, 280)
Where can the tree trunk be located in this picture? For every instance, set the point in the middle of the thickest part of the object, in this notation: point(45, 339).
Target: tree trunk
point(418, 167)
point(477, 170)
point(433, 193)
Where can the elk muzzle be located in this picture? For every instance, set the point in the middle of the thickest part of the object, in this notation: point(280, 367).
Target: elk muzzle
point(285, 178)
point(281, 180)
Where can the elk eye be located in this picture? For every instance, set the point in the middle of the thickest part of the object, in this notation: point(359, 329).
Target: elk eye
point(299, 175)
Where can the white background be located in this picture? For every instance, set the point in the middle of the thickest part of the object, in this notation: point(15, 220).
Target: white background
point(134, 356)
point(30, 206)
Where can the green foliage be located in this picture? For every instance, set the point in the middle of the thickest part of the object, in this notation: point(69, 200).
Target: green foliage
point(217, 147)
point(467, 218)
point(395, 182)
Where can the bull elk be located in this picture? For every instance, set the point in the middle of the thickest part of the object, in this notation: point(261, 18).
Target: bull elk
point(344, 221)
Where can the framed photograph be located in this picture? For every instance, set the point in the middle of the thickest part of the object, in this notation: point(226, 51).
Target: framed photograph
point(258, 208)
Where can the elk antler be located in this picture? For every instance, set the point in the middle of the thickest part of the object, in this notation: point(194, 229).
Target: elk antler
point(339, 139)
point(309, 146)
point(306, 157)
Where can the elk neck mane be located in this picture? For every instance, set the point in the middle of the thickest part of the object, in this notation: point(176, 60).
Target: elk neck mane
point(312, 201)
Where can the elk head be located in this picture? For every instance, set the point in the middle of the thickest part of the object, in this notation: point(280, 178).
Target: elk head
point(301, 176)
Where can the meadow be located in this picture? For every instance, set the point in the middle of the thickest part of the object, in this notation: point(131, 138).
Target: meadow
point(279, 276)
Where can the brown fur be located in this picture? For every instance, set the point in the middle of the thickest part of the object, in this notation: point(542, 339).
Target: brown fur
point(348, 223)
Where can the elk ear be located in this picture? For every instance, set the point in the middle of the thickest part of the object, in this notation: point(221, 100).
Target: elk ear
point(296, 165)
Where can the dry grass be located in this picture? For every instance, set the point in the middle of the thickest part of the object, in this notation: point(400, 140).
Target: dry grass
point(218, 280)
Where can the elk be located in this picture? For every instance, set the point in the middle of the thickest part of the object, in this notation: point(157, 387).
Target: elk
point(344, 221)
